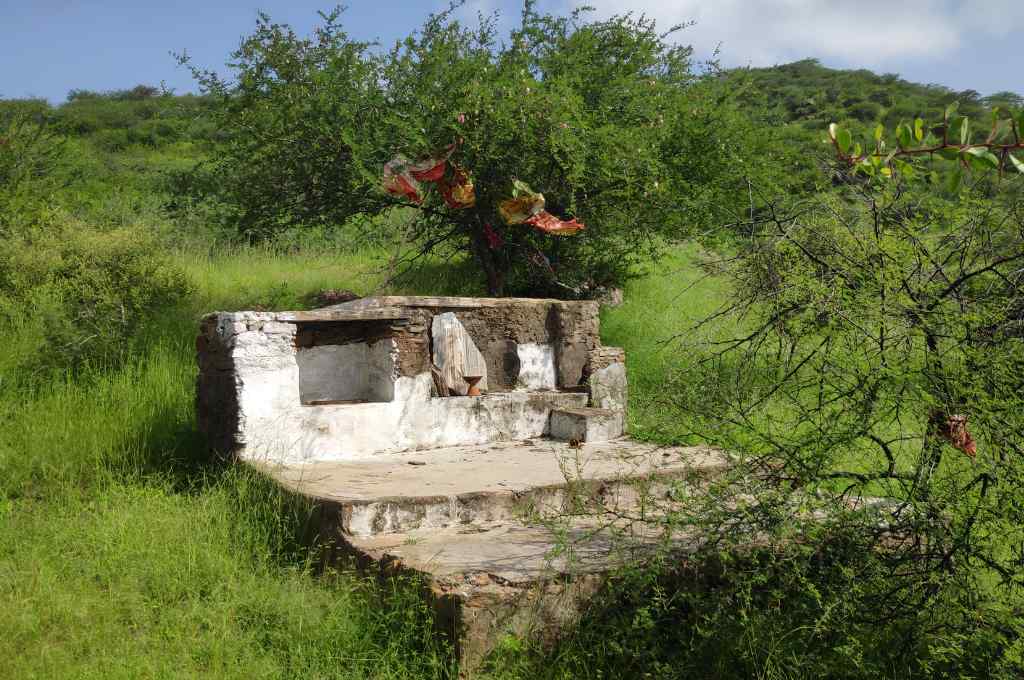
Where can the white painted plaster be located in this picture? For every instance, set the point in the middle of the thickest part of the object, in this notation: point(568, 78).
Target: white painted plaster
point(276, 427)
point(289, 433)
point(536, 367)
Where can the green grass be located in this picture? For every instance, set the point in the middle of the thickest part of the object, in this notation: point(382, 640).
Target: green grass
point(125, 553)
point(139, 580)
point(656, 325)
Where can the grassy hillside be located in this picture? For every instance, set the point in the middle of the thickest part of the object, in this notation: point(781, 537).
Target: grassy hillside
point(126, 552)
point(813, 95)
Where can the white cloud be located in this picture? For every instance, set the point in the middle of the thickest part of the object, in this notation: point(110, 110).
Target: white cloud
point(869, 32)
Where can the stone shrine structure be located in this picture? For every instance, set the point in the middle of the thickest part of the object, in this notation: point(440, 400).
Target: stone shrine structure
point(367, 408)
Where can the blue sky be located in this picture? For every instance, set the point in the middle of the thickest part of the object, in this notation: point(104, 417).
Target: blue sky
point(48, 47)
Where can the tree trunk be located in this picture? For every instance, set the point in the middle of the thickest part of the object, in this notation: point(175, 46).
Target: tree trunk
point(494, 268)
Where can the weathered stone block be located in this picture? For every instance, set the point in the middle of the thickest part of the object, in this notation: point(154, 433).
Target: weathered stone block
point(586, 424)
point(606, 378)
point(455, 355)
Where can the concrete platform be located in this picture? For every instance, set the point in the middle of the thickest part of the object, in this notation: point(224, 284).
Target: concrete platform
point(480, 485)
point(508, 528)
point(470, 521)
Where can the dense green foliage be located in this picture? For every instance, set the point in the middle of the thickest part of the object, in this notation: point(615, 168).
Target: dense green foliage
point(80, 287)
point(115, 121)
point(606, 118)
point(125, 215)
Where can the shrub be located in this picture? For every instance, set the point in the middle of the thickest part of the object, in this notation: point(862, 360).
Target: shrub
point(84, 293)
point(94, 291)
point(36, 110)
point(875, 391)
point(29, 155)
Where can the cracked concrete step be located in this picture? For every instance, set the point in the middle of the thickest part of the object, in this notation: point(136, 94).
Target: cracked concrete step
point(514, 578)
point(507, 553)
point(476, 486)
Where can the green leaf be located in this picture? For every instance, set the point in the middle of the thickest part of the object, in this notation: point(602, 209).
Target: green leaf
point(832, 128)
point(965, 131)
point(843, 139)
point(949, 154)
point(950, 110)
point(1018, 164)
point(905, 169)
point(878, 132)
point(857, 149)
point(903, 135)
point(918, 129)
point(982, 157)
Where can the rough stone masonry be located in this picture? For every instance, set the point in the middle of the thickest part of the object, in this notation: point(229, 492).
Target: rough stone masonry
point(360, 408)
point(355, 380)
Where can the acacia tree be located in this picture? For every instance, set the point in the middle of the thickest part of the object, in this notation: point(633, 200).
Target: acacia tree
point(606, 119)
point(875, 401)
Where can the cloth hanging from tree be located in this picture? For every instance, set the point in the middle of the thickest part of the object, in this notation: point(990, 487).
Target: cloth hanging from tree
point(403, 177)
point(527, 207)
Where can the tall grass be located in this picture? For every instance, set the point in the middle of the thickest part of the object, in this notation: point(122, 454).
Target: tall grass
point(124, 552)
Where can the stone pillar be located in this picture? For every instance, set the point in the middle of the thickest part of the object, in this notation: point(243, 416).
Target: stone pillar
point(606, 378)
point(576, 330)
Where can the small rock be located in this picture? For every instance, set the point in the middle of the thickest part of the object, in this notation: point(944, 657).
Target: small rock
point(329, 297)
point(417, 462)
point(480, 579)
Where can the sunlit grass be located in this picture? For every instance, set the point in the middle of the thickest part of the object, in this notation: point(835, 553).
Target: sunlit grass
point(125, 552)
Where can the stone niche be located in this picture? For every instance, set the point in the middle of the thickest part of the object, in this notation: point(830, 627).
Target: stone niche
point(338, 367)
point(360, 378)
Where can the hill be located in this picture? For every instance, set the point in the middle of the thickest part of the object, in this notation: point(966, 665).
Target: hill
point(812, 95)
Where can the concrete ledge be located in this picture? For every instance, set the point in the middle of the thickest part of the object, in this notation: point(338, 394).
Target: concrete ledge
point(585, 424)
point(468, 486)
point(489, 563)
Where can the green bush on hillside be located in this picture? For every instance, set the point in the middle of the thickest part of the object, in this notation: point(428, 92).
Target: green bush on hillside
point(86, 294)
point(70, 293)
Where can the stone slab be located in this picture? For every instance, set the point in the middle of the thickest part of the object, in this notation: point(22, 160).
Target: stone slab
point(323, 315)
point(585, 424)
point(441, 302)
point(469, 486)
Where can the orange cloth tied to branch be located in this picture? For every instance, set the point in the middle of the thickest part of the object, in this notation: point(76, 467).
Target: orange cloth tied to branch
point(402, 178)
point(527, 207)
point(954, 430)
point(547, 222)
point(458, 193)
